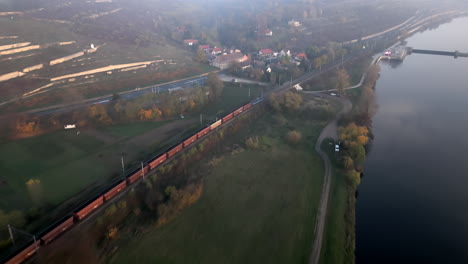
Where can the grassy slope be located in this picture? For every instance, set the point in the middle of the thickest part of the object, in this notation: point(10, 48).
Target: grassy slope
point(334, 243)
point(257, 207)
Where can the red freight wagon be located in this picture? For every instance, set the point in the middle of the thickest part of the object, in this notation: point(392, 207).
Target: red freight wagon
point(203, 132)
point(135, 176)
point(174, 150)
point(227, 118)
point(47, 238)
point(158, 161)
point(215, 124)
point(25, 254)
point(190, 140)
point(90, 207)
point(114, 191)
point(238, 111)
point(247, 106)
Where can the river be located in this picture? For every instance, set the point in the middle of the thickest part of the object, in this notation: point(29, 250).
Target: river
point(412, 205)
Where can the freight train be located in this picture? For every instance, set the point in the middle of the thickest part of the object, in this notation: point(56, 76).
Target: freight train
point(87, 208)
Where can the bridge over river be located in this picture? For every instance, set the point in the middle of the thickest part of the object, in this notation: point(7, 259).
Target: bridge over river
point(400, 52)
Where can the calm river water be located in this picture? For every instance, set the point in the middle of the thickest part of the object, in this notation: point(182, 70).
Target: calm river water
point(413, 200)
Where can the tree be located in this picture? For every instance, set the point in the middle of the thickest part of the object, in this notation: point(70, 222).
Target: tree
point(292, 101)
point(353, 177)
point(273, 77)
point(234, 67)
point(348, 163)
point(252, 143)
point(294, 137)
point(258, 74)
point(343, 80)
point(275, 101)
point(324, 59)
point(312, 52)
point(215, 84)
point(318, 63)
point(357, 153)
point(201, 56)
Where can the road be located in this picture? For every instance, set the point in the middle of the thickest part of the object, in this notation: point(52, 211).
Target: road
point(227, 78)
point(137, 92)
point(330, 131)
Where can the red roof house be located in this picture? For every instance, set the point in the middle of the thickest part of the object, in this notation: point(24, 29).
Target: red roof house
point(190, 42)
point(301, 56)
point(265, 52)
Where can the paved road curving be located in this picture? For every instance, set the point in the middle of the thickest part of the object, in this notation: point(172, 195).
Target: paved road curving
point(330, 131)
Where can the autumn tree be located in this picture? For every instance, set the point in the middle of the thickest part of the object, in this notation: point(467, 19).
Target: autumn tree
point(275, 101)
point(293, 137)
point(98, 113)
point(215, 84)
point(201, 56)
point(318, 63)
point(252, 143)
point(343, 80)
point(292, 101)
point(348, 163)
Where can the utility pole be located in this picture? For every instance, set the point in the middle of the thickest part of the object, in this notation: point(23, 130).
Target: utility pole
point(11, 235)
point(201, 119)
point(249, 92)
point(142, 171)
point(10, 228)
point(123, 166)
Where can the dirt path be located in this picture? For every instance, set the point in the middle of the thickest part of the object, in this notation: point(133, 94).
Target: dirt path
point(330, 131)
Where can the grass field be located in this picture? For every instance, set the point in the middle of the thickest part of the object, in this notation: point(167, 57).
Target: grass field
point(258, 206)
point(334, 244)
point(333, 250)
point(66, 163)
point(234, 95)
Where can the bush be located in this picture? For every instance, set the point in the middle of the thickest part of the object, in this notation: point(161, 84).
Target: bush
point(252, 143)
point(294, 137)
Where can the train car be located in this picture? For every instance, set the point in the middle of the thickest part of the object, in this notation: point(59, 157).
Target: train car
point(24, 254)
point(134, 177)
point(228, 117)
point(115, 190)
point(174, 150)
point(57, 231)
point(82, 213)
point(203, 132)
point(247, 106)
point(238, 111)
point(158, 161)
point(215, 125)
point(190, 140)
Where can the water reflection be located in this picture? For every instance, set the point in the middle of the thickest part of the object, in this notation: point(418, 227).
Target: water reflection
point(413, 203)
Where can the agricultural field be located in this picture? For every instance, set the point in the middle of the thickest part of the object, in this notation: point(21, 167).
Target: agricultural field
point(258, 205)
point(77, 163)
point(69, 51)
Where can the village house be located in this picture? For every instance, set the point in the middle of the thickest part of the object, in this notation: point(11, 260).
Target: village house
point(294, 23)
point(205, 48)
point(265, 53)
point(284, 53)
point(267, 32)
point(224, 61)
point(300, 56)
point(190, 42)
point(216, 51)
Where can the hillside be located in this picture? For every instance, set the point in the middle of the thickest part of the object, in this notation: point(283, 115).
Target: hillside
point(59, 51)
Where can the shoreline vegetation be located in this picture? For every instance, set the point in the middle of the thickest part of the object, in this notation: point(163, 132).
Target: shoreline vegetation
point(355, 139)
